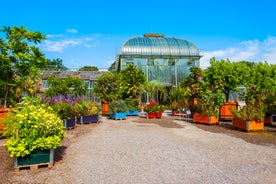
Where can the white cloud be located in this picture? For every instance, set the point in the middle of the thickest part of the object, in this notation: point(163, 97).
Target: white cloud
point(59, 46)
point(55, 44)
point(71, 31)
point(253, 50)
point(54, 35)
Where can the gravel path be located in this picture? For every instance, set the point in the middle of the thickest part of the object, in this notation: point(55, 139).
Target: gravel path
point(128, 152)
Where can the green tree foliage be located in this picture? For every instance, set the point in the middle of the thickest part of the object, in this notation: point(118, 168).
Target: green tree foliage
point(19, 61)
point(193, 82)
point(107, 87)
point(225, 75)
point(56, 64)
point(89, 68)
point(131, 81)
point(69, 85)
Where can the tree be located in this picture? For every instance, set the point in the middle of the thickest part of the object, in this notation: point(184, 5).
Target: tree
point(131, 81)
point(107, 87)
point(225, 75)
point(56, 64)
point(89, 68)
point(19, 61)
point(68, 86)
point(193, 82)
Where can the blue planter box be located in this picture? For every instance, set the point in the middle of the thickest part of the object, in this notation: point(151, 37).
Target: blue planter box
point(69, 123)
point(132, 113)
point(118, 115)
point(36, 157)
point(88, 119)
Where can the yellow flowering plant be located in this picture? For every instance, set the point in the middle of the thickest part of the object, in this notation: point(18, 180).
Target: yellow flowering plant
point(32, 126)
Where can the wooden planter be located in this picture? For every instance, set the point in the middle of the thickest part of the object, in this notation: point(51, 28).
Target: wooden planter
point(69, 123)
point(88, 119)
point(205, 119)
point(225, 110)
point(248, 125)
point(132, 113)
point(118, 115)
point(35, 159)
point(3, 111)
point(151, 115)
point(105, 108)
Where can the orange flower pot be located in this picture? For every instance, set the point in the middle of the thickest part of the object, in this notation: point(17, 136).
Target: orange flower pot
point(205, 119)
point(2, 114)
point(225, 110)
point(248, 125)
point(105, 108)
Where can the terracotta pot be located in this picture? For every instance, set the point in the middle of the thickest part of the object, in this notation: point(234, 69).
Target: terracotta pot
point(205, 119)
point(248, 125)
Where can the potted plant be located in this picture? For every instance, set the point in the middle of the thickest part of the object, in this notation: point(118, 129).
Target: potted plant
point(65, 110)
point(270, 108)
point(117, 109)
point(107, 89)
point(192, 85)
point(208, 106)
point(227, 77)
point(33, 131)
point(251, 116)
point(86, 111)
point(132, 107)
point(154, 110)
point(178, 100)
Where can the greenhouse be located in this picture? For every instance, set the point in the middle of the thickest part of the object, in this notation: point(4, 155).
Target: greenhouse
point(165, 59)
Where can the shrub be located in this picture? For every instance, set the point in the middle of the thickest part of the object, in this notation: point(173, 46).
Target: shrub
point(31, 126)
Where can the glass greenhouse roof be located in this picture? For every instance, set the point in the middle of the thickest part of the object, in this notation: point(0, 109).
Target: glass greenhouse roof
point(157, 44)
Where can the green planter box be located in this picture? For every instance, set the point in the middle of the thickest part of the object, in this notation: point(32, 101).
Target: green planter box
point(36, 157)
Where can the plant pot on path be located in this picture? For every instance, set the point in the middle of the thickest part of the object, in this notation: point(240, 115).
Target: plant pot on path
point(118, 116)
point(88, 119)
point(69, 123)
point(248, 125)
point(38, 158)
point(205, 119)
point(225, 110)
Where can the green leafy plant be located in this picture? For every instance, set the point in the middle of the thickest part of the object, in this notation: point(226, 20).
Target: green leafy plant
point(107, 87)
point(131, 104)
point(255, 105)
point(86, 108)
point(31, 126)
point(208, 102)
point(154, 107)
point(117, 106)
point(19, 63)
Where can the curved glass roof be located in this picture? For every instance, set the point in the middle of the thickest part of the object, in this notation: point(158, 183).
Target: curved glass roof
point(157, 44)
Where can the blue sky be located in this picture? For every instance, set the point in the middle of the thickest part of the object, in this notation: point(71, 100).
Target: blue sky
point(83, 32)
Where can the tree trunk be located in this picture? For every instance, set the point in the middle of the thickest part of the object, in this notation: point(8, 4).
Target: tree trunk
point(227, 94)
point(6, 96)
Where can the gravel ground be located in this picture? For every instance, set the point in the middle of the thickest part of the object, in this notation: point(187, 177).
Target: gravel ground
point(137, 150)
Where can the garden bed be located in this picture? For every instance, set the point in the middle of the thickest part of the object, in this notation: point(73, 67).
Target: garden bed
point(267, 138)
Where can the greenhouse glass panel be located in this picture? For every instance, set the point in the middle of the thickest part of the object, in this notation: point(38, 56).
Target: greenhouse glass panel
point(165, 59)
